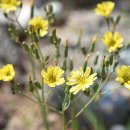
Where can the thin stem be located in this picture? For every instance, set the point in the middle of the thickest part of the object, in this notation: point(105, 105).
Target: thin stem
point(50, 107)
point(40, 52)
point(43, 109)
point(90, 101)
point(17, 21)
point(33, 67)
point(63, 120)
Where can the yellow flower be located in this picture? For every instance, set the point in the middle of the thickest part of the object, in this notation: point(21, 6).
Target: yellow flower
point(7, 73)
point(113, 41)
point(81, 80)
point(123, 76)
point(52, 76)
point(39, 26)
point(105, 8)
point(9, 5)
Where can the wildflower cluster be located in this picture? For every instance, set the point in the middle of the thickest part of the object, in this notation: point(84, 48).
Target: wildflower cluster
point(85, 80)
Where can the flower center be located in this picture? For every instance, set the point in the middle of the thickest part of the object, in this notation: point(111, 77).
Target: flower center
point(81, 79)
point(126, 77)
point(112, 42)
point(52, 78)
point(7, 73)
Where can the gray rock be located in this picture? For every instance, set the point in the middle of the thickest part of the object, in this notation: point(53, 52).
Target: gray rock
point(118, 127)
point(114, 106)
point(8, 50)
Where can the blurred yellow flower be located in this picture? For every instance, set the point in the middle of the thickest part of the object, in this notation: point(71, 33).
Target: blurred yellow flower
point(7, 73)
point(52, 76)
point(39, 26)
point(9, 5)
point(123, 76)
point(113, 41)
point(80, 80)
point(105, 8)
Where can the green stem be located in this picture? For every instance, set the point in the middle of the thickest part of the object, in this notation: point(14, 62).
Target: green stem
point(33, 67)
point(43, 109)
point(50, 107)
point(63, 120)
point(16, 18)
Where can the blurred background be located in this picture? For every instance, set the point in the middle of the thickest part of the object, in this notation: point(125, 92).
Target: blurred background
point(111, 112)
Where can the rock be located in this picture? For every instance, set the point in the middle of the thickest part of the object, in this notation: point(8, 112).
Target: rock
point(118, 127)
point(114, 106)
point(8, 50)
point(124, 56)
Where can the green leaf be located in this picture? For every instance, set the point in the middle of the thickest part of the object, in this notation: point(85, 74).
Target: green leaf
point(71, 65)
point(27, 48)
point(96, 59)
point(67, 99)
point(111, 59)
point(50, 14)
point(54, 39)
point(37, 84)
point(95, 87)
point(83, 49)
point(118, 19)
point(31, 86)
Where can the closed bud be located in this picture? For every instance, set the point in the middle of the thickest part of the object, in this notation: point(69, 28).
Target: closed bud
point(31, 86)
point(35, 50)
point(71, 65)
point(47, 58)
point(37, 84)
point(64, 65)
point(66, 49)
point(108, 21)
point(111, 19)
point(85, 66)
point(6, 15)
point(94, 39)
point(57, 55)
point(111, 59)
point(54, 39)
point(96, 59)
point(118, 19)
point(103, 68)
point(26, 48)
point(83, 49)
point(79, 38)
point(92, 47)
